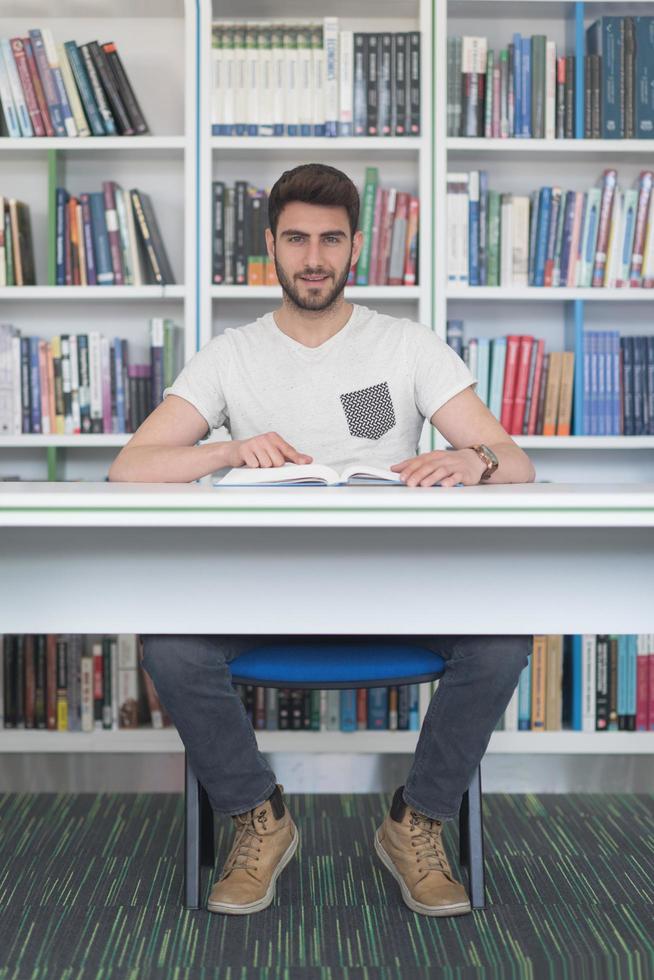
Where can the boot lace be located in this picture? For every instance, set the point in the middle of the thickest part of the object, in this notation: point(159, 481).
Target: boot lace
point(247, 843)
point(428, 840)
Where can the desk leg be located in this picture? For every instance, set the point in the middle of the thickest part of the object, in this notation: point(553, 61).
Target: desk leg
point(192, 849)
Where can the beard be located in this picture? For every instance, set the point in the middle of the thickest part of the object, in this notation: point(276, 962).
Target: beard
point(317, 300)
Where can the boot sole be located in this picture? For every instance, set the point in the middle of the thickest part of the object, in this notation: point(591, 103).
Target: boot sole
point(265, 900)
point(460, 908)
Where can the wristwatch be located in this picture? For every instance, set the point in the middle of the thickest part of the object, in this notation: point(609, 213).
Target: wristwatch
point(488, 457)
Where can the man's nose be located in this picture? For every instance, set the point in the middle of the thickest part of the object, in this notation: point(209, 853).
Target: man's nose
point(314, 254)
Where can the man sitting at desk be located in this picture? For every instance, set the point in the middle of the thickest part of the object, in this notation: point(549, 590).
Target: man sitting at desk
point(331, 381)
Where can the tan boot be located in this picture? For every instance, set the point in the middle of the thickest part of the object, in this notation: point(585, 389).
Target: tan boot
point(411, 847)
point(265, 841)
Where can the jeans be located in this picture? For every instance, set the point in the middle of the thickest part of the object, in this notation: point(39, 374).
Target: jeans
point(192, 677)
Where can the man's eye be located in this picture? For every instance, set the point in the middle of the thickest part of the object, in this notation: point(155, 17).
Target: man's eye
point(331, 238)
point(296, 238)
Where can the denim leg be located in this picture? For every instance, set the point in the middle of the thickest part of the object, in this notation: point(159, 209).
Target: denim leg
point(479, 678)
point(193, 681)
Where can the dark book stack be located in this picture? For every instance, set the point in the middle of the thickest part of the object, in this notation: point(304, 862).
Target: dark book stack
point(619, 70)
point(386, 96)
point(66, 90)
point(16, 248)
point(239, 252)
point(109, 238)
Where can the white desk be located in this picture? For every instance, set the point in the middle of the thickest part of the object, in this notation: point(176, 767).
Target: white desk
point(148, 558)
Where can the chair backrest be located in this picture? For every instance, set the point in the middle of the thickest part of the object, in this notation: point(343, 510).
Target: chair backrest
point(332, 665)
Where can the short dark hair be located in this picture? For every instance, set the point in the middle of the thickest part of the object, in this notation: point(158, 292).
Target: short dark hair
point(314, 183)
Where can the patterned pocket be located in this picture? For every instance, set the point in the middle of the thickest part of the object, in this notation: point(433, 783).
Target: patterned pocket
point(369, 411)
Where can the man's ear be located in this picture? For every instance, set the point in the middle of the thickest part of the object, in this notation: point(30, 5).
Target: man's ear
point(270, 244)
point(357, 245)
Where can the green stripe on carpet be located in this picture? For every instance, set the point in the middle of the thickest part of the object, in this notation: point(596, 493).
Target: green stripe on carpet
point(91, 886)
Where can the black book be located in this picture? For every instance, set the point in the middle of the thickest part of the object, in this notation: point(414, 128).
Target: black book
point(588, 97)
point(9, 683)
point(372, 103)
point(151, 237)
point(113, 388)
point(125, 89)
point(39, 680)
point(413, 100)
point(399, 90)
point(385, 89)
point(629, 72)
point(241, 197)
point(132, 424)
point(25, 386)
point(570, 96)
point(25, 244)
point(596, 96)
point(106, 76)
point(297, 713)
point(360, 84)
point(98, 91)
point(218, 251)
point(602, 684)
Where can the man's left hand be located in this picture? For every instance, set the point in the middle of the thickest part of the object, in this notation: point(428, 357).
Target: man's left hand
point(444, 466)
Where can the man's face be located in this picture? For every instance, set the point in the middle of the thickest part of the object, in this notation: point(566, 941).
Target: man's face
point(313, 253)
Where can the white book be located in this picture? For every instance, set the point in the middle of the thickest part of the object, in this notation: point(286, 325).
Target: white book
point(240, 80)
point(6, 382)
point(473, 360)
point(9, 109)
point(134, 255)
point(95, 378)
point(615, 237)
point(105, 376)
point(74, 383)
point(292, 98)
point(16, 383)
point(318, 81)
point(511, 713)
point(18, 98)
point(127, 680)
point(506, 240)
point(345, 83)
point(266, 83)
point(589, 236)
point(122, 205)
point(65, 381)
point(279, 79)
point(305, 80)
point(520, 239)
point(229, 83)
point(217, 80)
point(86, 694)
point(550, 90)
point(296, 474)
point(72, 93)
point(648, 250)
point(626, 242)
point(457, 228)
point(588, 674)
point(252, 80)
point(331, 75)
point(50, 49)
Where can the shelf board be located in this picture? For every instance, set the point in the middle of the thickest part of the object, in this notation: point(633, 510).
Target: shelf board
point(90, 293)
point(351, 292)
point(585, 442)
point(167, 740)
point(344, 144)
point(602, 149)
point(90, 441)
point(544, 294)
point(103, 143)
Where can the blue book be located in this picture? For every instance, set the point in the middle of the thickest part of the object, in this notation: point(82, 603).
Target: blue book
point(378, 708)
point(594, 382)
point(534, 211)
point(348, 710)
point(498, 359)
point(608, 382)
point(638, 361)
point(483, 227)
point(644, 78)
point(525, 90)
point(517, 85)
point(650, 386)
point(576, 693)
point(473, 228)
point(617, 407)
point(585, 412)
point(524, 698)
point(601, 383)
point(627, 350)
point(35, 386)
point(623, 682)
point(632, 667)
point(61, 235)
point(483, 368)
point(120, 387)
point(542, 234)
point(50, 90)
point(568, 221)
point(101, 250)
point(83, 83)
point(414, 708)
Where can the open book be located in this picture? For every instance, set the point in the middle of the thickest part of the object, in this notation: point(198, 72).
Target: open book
point(296, 474)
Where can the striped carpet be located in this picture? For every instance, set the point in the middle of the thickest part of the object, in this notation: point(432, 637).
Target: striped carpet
point(90, 887)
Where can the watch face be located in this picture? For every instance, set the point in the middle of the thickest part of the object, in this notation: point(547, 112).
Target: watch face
point(493, 460)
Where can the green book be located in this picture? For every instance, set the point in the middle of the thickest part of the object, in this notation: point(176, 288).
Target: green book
point(488, 113)
point(493, 246)
point(9, 249)
point(538, 44)
point(366, 223)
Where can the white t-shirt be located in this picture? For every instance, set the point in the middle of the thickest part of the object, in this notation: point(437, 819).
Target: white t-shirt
point(362, 396)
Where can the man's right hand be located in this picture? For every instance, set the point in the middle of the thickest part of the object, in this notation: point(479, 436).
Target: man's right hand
point(265, 450)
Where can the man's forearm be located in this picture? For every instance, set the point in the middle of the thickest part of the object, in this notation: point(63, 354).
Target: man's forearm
point(515, 466)
point(168, 464)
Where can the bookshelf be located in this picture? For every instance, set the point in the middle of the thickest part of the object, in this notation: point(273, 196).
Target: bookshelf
point(166, 48)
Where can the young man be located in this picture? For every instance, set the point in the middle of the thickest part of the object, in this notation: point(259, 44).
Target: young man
point(326, 380)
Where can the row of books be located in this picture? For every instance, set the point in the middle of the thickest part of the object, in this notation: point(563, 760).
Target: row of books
point(69, 89)
point(585, 683)
point(79, 682)
point(83, 383)
point(309, 78)
point(618, 384)
point(526, 91)
point(603, 237)
point(109, 238)
point(620, 66)
point(16, 245)
point(389, 220)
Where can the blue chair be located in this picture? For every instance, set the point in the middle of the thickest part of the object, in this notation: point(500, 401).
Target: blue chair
point(329, 666)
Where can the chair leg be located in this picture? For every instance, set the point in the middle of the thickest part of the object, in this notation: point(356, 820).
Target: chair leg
point(474, 836)
point(192, 838)
point(464, 816)
point(207, 842)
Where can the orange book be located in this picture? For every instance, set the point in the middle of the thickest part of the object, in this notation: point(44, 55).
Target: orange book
point(270, 273)
point(522, 380)
point(411, 247)
point(565, 394)
point(74, 242)
point(552, 393)
point(538, 681)
point(44, 382)
point(553, 682)
point(538, 377)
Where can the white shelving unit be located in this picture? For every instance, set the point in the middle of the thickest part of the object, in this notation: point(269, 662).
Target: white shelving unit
point(167, 48)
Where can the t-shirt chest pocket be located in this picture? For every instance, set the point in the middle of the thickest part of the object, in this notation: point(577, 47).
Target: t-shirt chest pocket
point(369, 411)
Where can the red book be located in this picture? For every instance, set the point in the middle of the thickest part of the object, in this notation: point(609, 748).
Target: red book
point(643, 667)
point(522, 379)
point(18, 51)
point(606, 207)
point(399, 224)
point(538, 377)
point(376, 235)
point(510, 377)
point(636, 271)
point(386, 235)
point(650, 713)
point(38, 87)
point(362, 708)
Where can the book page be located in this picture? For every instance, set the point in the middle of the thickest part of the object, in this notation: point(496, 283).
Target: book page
point(361, 473)
point(289, 473)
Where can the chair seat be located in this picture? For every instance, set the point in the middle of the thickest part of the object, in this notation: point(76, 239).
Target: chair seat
point(336, 665)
